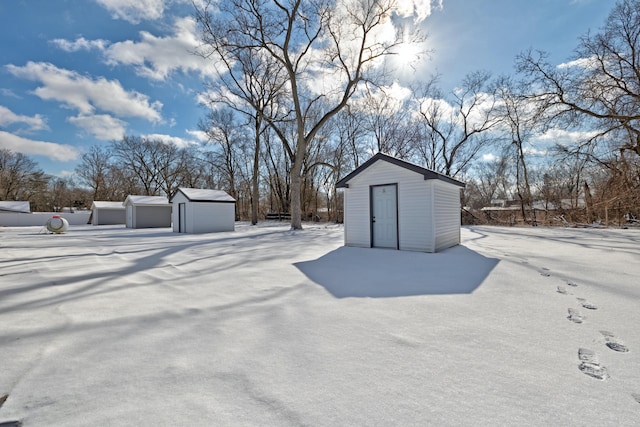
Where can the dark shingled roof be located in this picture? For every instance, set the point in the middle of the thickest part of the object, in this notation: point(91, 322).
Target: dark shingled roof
point(427, 173)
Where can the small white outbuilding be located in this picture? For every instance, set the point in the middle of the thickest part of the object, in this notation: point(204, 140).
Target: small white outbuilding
point(107, 213)
point(147, 212)
point(391, 203)
point(10, 206)
point(198, 210)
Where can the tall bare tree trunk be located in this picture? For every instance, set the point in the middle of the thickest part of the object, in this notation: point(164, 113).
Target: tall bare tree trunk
point(296, 185)
point(255, 188)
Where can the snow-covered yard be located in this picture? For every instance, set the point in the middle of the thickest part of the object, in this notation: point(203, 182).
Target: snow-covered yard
point(265, 326)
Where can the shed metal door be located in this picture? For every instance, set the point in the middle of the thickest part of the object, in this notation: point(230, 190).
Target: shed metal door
point(384, 216)
point(182, 217)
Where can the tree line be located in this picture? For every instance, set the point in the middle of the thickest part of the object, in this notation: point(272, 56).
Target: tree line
point(280, 133)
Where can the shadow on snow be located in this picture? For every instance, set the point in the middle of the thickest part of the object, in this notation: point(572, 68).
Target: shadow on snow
point(383, 273)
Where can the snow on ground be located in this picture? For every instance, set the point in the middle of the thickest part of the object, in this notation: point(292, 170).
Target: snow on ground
point(266, 326)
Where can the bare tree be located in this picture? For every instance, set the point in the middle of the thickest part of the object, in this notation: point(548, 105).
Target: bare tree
point(519, 124)
point(227, 135)
point(20, 177)
point(138, 155)
point(601, 85)
point(388, 121)
point(325, 48)
point(456, 129)
point(93, 170)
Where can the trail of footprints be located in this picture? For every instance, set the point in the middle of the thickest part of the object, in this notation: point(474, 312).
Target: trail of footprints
point(589, 363)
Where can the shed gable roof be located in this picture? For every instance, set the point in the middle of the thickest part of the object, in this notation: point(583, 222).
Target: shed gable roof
point(204, 195)
point(145, 200)
point(427, 173)
point(100, 204)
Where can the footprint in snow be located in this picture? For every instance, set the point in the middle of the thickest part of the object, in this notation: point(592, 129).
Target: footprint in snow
point(613, 342)
point(636, 396)
point(575, 316)
point(572, 283)
point(589, 364)
point(545, 272)
point(562, 290)
point(586, 304)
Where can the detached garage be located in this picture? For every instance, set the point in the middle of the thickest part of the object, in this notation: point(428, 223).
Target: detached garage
point(202, 211)
point(107, 213)
point(9, 206)
point(147, 212)
point(391, 203)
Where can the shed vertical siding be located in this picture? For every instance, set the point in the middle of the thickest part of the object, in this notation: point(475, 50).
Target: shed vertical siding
point(414, 213)
point(203, 216)
point(413, 207)
point(108, 216)
point(447, 215)
point(357, 230)
point(152, 216)
point(211, 217)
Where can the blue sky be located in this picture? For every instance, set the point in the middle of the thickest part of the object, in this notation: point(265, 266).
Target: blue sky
point(77, 73)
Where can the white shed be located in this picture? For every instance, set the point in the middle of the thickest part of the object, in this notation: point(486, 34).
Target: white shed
point(147, 212)
point(107, 213)
point(10, 206)
point(202, 211)
point(391, 203)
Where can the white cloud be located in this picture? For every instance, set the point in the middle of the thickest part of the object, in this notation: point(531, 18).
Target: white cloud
point(535, 151)
point(18, 144)
point(490, 157)
point(438, 106)
point(76, 91)
point(168, 139)
point(590, 62)
point(134, 11)
point(562, 136)
point(199, 135)
point(157, 57)
point(35, 123)
point(66, 174)
point(9, 93)
point(387, 99)
point(80, 44)
point(102, 126)
point(418, 9)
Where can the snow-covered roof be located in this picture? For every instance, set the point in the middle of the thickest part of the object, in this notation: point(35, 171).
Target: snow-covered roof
point(15, 206)
point(145, 200)
point(205, 195)
point(97, 204)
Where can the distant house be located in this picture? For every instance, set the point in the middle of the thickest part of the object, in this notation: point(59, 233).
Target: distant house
point(202, 211)
point(391, 203)
point(10, 206)
point(147, 212)
point(107, 213)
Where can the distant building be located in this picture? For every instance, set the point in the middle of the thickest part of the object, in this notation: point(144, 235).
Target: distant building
point(147, 212)
point(107, 213)
point(10, 206)
point(202, 211)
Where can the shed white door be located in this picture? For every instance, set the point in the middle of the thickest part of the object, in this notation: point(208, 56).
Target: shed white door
point(384, 216)
point(182, 217)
